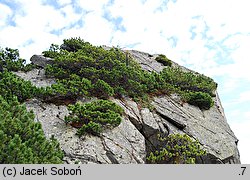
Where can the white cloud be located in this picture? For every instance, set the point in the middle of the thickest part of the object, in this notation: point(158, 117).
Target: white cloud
point(35, 24)
point(238, 70)
point(5, 13)
point(91, 30)
point(241, 129)
point(96, 5)
point(69, 17)
point(244, 97)
point(63, 2)
point(93, 24)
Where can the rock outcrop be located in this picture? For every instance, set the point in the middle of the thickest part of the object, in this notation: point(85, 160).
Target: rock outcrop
point(136, 136)
point(40, 60)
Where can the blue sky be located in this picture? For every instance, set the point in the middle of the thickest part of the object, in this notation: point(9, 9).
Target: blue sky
point(211, 37)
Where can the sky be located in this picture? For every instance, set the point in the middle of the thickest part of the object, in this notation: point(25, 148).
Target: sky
point(211, 37)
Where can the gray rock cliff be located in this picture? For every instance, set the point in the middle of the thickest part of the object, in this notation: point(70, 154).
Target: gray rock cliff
point(137, 134)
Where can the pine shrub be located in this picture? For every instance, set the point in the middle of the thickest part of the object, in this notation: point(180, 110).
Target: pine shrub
point(22, 139)
point(200, 99)
point(163, 60)
point(109, 75)
point(102, 90)
point(92, 117)
point(11, 85)
point(52, 52)
point(177, 149)
point(10, 61)
point(70, 88)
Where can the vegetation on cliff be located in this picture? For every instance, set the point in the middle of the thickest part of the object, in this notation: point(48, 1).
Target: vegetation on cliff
point(11, 85)
point(92, 117)
point(11, 61)
point(22, 139)
point(164, 60)
point(110, 75)
point(82, 69)
point(177, 149)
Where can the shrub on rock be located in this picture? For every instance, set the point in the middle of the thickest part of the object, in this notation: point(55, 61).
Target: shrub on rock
point(22, 139)
point(92, 117)
point(163, 60)
point(102, 90)
point(177, 149)
point(11, 85)
point(200, 99)
point(107, 70)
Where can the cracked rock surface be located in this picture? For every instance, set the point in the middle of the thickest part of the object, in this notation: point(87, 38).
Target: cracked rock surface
point(121, 145)
point(136, 136)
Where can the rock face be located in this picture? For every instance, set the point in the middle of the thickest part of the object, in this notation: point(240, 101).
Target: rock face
point(124, 144)
point(136, 136)
point(40, 60)
point(37, 77)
